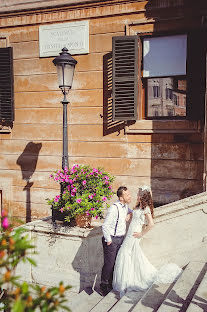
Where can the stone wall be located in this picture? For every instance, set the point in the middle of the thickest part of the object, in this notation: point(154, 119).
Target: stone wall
point(168, 159)
point(75, 255)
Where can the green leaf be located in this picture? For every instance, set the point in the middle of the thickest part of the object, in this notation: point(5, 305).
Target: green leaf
point(31, 261)
point(24, 287)
point(18, 306)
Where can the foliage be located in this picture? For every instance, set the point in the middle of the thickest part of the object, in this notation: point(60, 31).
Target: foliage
point(17, 296)
point(84, 190)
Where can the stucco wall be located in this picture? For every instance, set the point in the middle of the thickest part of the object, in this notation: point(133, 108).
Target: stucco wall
point(168, 162)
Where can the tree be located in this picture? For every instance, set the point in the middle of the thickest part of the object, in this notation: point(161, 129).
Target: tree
point(16, 296)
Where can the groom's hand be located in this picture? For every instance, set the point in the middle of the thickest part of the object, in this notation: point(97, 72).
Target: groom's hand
point(128, 217)
point(109, 243)
point(137, 234)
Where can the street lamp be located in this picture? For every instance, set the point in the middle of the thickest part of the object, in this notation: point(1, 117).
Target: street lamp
point(65, 65)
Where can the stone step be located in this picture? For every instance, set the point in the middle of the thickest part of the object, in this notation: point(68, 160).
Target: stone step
point(128, 301)
point(107, 302)
point(91, 301)
point(152, 298)
point(181, 294)
point(77, 302)
point(199, 301)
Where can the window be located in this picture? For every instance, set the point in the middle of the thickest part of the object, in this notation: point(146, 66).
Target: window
point(159, 77)
point(164, 58)
point(156, 91)
point(6, 86)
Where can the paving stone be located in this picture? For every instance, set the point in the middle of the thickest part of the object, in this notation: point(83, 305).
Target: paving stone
point(127, 302)
point(92, 301)
point(199, 301)
point(152, 298)
point(107, 302)
point(78, 301)
point(179, 296)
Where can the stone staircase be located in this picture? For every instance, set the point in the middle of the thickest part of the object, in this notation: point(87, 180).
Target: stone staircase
point(188, 293)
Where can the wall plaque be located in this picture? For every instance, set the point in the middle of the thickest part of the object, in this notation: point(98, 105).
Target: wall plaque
point(74, 36)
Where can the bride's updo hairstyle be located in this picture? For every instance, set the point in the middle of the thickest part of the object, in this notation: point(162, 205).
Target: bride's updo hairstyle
point(145, 199)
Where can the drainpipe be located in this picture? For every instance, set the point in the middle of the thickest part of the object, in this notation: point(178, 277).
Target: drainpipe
point(205, 139)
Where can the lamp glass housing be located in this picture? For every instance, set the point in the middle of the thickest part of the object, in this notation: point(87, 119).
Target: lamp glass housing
point(65, 74)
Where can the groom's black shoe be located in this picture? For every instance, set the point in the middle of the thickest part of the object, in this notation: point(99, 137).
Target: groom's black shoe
point(104, 289)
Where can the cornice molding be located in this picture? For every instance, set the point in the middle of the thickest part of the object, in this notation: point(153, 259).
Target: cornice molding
point(41, 6)
point(82, 11)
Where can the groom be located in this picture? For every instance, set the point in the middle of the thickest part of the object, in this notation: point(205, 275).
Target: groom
point(114, 229)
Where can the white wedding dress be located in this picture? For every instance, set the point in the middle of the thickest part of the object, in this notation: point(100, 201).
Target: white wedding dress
point(132, 270)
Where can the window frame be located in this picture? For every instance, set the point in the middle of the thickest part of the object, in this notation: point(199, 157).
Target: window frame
point(144, 96)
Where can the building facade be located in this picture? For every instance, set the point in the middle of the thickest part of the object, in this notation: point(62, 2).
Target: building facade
point(137, 104)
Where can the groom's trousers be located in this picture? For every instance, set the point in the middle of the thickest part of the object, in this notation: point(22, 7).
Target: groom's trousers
point(110, 253)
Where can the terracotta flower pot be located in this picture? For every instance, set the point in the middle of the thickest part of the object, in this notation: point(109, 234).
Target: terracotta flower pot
point(83, 220)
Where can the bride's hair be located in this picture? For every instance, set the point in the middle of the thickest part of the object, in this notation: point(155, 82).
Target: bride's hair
point(145, 200)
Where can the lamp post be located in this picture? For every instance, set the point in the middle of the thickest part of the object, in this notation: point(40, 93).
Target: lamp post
point(65, 65)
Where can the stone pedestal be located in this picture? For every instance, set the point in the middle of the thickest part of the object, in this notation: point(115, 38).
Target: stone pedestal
point(69, 254)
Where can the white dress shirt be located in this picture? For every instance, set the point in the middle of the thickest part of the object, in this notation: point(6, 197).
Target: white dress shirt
point(110, 221)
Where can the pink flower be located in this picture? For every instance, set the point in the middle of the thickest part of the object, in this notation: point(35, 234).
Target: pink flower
point(90, 196)
point(84, 182)
point(61, 209)
point(106, 182)
point(92, 208)
point(68, 187)
point(87, 213)
point(79, 200)
point(104, 198)
point(94, 194)
point(74, 190)
point(70, 181)
point(96, 217)
point(5, 223)
point(106, 177)
point(67, 178)
point(110, 187)
point(72, 194)
point(56, 199)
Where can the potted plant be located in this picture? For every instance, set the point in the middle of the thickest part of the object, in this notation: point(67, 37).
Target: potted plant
point(84, 193)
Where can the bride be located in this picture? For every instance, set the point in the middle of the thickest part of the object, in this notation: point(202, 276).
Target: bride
point(132, 270)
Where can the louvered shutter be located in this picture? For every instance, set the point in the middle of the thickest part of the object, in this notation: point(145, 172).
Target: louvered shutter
point(6, 85)
point(125, 77)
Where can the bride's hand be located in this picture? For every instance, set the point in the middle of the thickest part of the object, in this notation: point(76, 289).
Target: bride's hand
point(137, 234)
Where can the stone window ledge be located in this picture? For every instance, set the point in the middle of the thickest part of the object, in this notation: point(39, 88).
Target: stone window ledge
point(163, 126)
point(5, 129)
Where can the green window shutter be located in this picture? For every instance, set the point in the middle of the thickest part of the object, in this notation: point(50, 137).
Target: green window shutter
point(6, 85)
point(125, 77)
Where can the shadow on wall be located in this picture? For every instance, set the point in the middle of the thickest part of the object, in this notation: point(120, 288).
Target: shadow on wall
point(88, 260)
point(28, 162)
